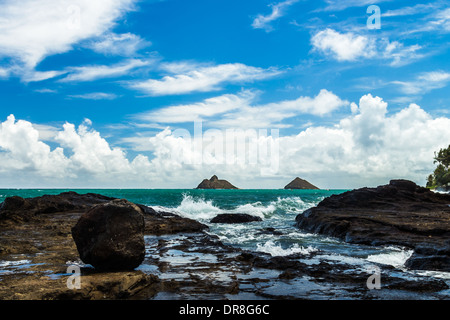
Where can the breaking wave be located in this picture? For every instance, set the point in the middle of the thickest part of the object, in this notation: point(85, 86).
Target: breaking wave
point(275, 249)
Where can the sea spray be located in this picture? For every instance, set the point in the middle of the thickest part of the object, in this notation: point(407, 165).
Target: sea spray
point(396, 257)
point(276, 249)
point(197, 208)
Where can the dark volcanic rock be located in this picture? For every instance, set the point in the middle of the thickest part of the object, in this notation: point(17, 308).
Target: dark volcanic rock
point(160, 222)
point(426, 258)
point(234, 218)
point(400, 213)
point(215, 183)
point(110, 236)
point(23, 209)
point(298, 183)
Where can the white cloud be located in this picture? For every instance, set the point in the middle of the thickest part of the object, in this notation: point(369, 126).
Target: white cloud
point(442, 20)
point(126, 44)
point(343, 46)
point(4, 73)
point(240, 110)
point(35, 76)
point(90, 73)
point(46, 90)
point(31, 30)
point(273, 114)
point(198, 111)
point(351, 47)
point(411, 10)
point(338, 5)
point(399, 54)
point(278, 10)
point(366, 148)
point(91, 153)
point(197, 78)
point(21, 149)
point(424, 82)
point(95, 96)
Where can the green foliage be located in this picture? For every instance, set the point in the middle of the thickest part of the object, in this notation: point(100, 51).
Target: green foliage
point(441, 175)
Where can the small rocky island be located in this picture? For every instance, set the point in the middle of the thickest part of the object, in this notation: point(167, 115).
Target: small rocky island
point(215, 183)
point(299, 183)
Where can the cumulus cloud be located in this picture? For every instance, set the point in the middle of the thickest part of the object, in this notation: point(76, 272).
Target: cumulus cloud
point(200, 78)
point(82, 155)
point(31, 30)
point(368, 147)
point(343, 46)
point(22, 149)
point(365, 148)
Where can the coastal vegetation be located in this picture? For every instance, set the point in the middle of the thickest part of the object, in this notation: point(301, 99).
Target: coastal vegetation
point(440, 178)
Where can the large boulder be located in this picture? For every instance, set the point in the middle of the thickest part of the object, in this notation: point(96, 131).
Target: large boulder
point(110, 236)
point(400, 213)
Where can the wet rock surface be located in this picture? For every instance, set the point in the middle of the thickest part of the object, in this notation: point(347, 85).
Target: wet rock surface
point(180, 264)
point(400, 213)
point(234, 218)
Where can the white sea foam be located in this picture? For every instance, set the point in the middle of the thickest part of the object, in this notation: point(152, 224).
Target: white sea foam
point(5, 263)
point(396, 257)
point(255, 209)
point(275, 249)
point(197, 208)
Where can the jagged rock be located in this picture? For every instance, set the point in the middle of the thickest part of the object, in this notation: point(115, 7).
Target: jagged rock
point(110, 236)
point(298, 183)
point(400, 213)
point(17, 209)
point(160, 222)
point(215, 183)
point(234, 218)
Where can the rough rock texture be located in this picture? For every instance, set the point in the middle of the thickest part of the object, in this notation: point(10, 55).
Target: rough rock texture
point(17, 209)
point(36, 247)
point(234, 218)
point(400, 213)
point(110, 236)
point(180, 264)
point(215, 183)
point(160, 222)
point(299, 183)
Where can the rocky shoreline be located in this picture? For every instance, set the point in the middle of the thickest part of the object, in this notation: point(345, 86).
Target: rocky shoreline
point(400, 213)
point(182, 261)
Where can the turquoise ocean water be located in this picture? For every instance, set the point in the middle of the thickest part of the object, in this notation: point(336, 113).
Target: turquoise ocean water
point(277, 209)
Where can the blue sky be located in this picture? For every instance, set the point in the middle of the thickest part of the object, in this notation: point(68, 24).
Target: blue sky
point(98, 90)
